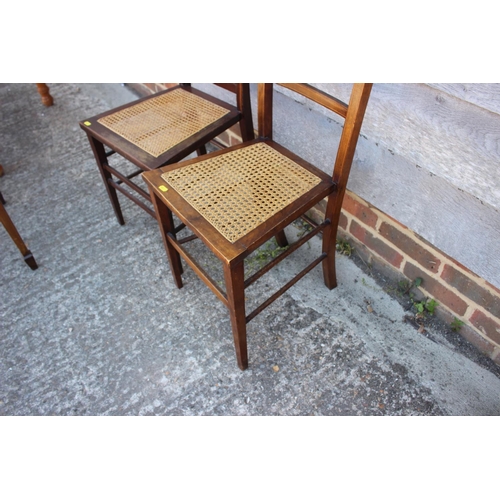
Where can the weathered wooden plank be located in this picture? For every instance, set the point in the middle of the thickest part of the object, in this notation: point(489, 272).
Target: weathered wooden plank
point(457, 223)
point(428, 159)
point(485, 95)
point(447, 216)
point(450, 138)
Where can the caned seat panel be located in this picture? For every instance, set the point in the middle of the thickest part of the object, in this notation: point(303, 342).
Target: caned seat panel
point(158, 124)
point(238, 191)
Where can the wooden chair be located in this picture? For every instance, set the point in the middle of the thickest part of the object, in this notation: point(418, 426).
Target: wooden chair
point(236, 199)
point(159, 130)
point(14, 234)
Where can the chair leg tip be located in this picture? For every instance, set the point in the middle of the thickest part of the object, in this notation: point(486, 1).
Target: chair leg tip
point(331, 284)
point(30, 260)
point(243, 366)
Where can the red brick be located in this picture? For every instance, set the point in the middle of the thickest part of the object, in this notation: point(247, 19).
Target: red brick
point(487, 325)
point(461, 266)
point(377, 245)
point(343, 221)
point(477, 340)
point(442, 294)
point(471, 289)
point(396, 222)
point(493, 287)
point(363, 213)
point(410, 247)
point(317, 213)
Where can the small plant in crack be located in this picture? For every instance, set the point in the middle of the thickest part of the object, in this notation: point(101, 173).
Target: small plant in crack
point(406, 286)
point(303, 227)
point(344, 247)
point(456, 324)
point(261, 256)
point(423, 307)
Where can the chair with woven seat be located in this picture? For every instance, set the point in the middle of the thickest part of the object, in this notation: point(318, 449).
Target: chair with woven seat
point(159, 130)
point(237, 199)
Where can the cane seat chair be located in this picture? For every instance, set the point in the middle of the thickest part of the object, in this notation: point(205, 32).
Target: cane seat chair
point(159, 130)
point(236, 199)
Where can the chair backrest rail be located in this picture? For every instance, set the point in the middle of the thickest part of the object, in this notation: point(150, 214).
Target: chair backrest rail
point(316, 95)
point(353, 117)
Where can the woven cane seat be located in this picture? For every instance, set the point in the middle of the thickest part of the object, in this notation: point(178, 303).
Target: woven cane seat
point(160, 123)
point(238, 191)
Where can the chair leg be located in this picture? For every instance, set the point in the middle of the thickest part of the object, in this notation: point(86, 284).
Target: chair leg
point(43, 90)
point(16, 238)
point(235, 290)
point(102, 162)
point(281, 239)
point(329, 246)
point(166, 223)
point(202, 150)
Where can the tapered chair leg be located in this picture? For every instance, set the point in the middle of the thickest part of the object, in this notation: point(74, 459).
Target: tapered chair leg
point(44, 92)
point(202, 150)
point(281, 239)
point(16, 238)
point(329, 247)
point(166, 223)
point(235, 289)
point(101, 159)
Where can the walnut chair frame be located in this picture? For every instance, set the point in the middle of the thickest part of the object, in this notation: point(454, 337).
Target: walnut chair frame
point(192, 191)
point(160, 130)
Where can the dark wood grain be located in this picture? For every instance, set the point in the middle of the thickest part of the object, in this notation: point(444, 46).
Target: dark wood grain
point(234, 276)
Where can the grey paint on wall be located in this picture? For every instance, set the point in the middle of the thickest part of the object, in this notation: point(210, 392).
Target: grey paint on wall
point(426, 157)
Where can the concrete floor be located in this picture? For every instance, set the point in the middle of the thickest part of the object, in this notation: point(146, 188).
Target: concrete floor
point(100, 328)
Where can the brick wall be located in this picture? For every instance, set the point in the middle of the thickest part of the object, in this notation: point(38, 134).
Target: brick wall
point(401, 254)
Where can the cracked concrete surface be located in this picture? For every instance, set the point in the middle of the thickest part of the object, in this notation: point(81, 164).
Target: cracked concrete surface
point(100, 328)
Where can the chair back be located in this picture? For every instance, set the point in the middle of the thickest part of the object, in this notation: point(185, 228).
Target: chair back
point(243, 103)
point(352, 113)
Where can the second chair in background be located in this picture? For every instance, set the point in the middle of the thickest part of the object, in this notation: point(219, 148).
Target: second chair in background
point(159, 130)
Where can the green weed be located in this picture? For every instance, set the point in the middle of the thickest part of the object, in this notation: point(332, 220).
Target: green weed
point(456, 324)
point(262, 255)
point(344, 247)
point(425, 306)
